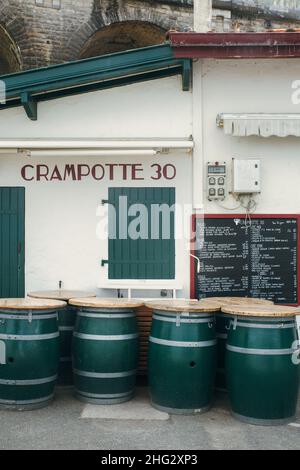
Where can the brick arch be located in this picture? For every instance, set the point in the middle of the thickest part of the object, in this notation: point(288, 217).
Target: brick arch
point(10, 55)
point(122, 36)
point(108, 12)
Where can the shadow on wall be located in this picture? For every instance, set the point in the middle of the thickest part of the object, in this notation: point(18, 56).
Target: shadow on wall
point(10, 57)
point(122, 36)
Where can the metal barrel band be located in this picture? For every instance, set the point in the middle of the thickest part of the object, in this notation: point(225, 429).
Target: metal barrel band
point(105, 337)
point(66, 328)
point(186, 315)
point(26, 317)
point(104, 375)
point(262, 422)
point(109, 311)
point(181, 411)
point(278, 326)
point(104, 395)
point(44, 380)
point(262, 352)
point(183, 344)
point(29, 337)
point(41, 312)
point(263, 319)
point(26, 402)
point(106, 315)
point(182, 320)
point(104, 401)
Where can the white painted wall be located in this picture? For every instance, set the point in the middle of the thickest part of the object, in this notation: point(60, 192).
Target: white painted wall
point(261, 86)
point(61, 242)
point(61, 217)
point(157, 108)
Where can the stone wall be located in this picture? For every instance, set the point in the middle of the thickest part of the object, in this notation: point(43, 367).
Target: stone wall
point(36, 33)
point(10, 57)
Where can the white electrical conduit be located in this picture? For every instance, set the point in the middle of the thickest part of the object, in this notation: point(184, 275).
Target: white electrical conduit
point(94, 144)
point(88, 153)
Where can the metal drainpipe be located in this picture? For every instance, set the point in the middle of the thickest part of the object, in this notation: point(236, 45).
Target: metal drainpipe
point(202, 15)
point(202, 23)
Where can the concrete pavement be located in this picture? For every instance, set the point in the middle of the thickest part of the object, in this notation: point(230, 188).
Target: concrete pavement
point(70, 424)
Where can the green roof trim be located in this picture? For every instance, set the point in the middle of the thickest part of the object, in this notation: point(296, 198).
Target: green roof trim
point(28, 88)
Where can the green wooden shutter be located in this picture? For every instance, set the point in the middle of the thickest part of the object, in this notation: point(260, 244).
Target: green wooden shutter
point(12, 214)
point(141, 258)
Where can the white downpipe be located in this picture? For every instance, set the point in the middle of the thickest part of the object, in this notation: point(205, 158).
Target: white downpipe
point(202, 24)
point(198, 153)
point(202, 15)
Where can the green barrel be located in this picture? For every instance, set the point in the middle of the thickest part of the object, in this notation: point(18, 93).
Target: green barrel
point(182, 357)
point(105, 351)
point(222, 326)
point(66, 323)
point(262, 368)
point(29, 353)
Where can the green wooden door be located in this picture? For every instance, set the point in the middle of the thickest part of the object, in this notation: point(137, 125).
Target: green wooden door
point(152, 254)
point(12, 239)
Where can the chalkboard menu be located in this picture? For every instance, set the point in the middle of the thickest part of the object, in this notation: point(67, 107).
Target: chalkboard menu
point(257, 258)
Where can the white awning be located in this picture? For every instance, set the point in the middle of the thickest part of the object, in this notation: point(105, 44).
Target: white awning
point(97, 144)
point(263, 125)
point(44, 148)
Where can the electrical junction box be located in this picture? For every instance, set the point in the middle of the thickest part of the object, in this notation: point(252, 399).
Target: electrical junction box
point(216, 181)
point(246, 176)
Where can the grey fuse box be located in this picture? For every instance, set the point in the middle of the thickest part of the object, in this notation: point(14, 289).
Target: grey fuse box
point(246, 176)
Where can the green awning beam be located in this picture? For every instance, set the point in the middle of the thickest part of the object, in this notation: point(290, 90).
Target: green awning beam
point(30, 105)
point(28, 88)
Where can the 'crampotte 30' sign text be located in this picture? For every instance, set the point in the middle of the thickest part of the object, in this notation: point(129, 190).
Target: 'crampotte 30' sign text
point(98, 172)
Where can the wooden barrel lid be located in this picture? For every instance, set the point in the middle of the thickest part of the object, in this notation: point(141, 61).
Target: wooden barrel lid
point(178, 305)
point(31, 304)
point(60, 294)
point(101, 302)
point(240, 301)
point(261, 310)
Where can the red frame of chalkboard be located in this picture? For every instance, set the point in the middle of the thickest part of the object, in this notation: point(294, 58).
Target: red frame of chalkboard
point(234, 216)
